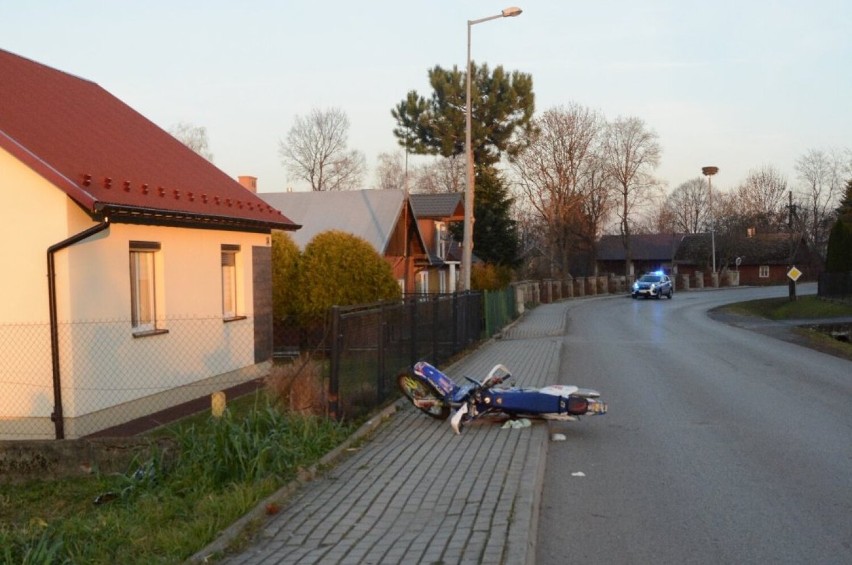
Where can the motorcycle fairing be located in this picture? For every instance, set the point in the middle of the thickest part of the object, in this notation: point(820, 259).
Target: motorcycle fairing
point(441, 381)
point(522, 402)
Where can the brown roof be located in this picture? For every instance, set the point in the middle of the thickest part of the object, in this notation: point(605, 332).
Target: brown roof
point(760, 249)
point(643, 247)
point(113, 161)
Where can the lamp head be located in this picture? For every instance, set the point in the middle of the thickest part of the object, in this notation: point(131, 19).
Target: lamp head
point(511, 12)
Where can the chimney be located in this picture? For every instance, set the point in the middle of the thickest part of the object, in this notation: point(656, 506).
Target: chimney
point(248, 182)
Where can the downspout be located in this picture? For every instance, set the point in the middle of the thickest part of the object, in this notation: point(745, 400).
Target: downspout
point(56, 417)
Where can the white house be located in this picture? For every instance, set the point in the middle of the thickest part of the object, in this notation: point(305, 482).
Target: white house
point(136, 275)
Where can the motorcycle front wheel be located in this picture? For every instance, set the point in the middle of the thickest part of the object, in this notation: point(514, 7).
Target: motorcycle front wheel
point(422, 395)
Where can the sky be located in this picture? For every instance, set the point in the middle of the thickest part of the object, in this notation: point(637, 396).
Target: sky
point(735, 84)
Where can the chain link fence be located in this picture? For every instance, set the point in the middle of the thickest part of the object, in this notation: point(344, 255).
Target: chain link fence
point(104, 376)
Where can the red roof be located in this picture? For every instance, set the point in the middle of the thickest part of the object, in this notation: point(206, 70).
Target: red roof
point(111, 160)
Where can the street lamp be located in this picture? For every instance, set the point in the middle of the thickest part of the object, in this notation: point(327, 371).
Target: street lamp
point(467, 244)
point(709, 172)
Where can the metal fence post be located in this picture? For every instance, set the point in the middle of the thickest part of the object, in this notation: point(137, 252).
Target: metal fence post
point(436, 302)
point(413, 315)
point(455, 322)
point(380, 352)
point(334, 377)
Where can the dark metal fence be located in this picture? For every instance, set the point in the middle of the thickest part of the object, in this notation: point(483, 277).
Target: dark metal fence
point(371, 344)
point(835, 285)
point(500, 308)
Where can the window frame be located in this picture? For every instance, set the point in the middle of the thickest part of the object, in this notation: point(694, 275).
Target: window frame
point(763, 272)
point(421, 282)
point(440, 239)
point(229, 280)
point(143, 287)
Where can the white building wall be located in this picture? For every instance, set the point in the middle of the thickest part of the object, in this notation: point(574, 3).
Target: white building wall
point(33, 217)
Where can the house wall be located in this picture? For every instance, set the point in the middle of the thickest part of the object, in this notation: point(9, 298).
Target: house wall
point(438, 276)
point(109, 376)
point(750, 275)
point(429, 233)
point(34, 216)
point(102, 360)
point(399, 254)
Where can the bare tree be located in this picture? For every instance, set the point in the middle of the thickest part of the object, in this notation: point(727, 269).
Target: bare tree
point(390, 172)
point(558, 171)
point(761, 198)
point(316, 152)
point(444, 174)
point(822, 177)
point(632, 152)
point(687, 208)
point(598, 200)
point(194, 137)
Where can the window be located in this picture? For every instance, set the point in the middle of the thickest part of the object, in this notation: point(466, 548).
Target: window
point(764, 272)
point(422, 282)
point(143, 289)
point(441, 239)
point(229, 280)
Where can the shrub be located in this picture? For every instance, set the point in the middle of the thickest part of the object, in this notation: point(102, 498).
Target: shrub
point(341, 269)
point(486, 276)
point(285, 269)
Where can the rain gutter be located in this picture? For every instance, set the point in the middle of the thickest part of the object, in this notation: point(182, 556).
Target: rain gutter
point(57, 417)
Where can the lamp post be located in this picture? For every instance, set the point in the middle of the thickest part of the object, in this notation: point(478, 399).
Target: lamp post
point(467, 243)
point(709, 172)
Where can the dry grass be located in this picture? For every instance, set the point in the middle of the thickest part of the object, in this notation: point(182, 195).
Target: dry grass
point(300, 386)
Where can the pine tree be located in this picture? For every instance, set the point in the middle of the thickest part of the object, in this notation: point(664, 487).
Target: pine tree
point(839, 253)
point(502, 105)
point(844, 212)
point(495, 234)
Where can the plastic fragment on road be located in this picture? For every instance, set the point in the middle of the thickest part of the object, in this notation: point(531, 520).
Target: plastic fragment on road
point(514, 424)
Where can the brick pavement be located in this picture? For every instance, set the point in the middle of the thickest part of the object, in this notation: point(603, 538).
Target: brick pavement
point(417, 493)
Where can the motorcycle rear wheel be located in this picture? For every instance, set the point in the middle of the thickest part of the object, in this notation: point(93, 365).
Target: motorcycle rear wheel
point(421, 392)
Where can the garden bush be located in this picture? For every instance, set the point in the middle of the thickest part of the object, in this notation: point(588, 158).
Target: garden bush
point(341, 269)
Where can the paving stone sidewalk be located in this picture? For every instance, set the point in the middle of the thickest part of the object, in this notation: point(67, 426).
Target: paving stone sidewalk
point(418, 493)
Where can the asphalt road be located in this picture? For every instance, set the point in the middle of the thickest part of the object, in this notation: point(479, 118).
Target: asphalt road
point(722, 445)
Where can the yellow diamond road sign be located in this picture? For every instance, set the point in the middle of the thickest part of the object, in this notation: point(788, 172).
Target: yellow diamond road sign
point(794, 274)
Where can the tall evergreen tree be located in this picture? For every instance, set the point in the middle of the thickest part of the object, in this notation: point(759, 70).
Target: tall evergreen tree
point(495, 237)
point(839, 255)
point(502, 107)
point(844, 212)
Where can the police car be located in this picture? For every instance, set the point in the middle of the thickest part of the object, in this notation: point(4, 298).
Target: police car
point(653, 285)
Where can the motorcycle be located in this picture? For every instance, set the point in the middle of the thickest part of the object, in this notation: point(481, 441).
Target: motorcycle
point(436, 395)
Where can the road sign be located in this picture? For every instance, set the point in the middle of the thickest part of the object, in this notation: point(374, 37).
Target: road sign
point(794, 274)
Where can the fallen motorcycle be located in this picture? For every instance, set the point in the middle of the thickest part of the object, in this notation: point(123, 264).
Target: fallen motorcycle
point(436, 395)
